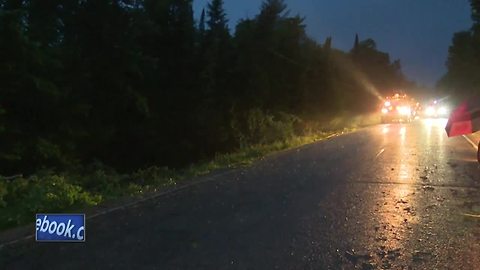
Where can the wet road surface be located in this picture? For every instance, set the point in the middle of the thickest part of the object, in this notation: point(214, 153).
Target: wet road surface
point(394, 196)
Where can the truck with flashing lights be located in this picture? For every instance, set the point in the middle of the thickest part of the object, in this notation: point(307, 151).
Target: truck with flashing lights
point(399, 108)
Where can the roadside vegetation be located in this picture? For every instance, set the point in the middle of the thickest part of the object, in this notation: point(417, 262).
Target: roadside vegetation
point(104, 99)
point(49, 191)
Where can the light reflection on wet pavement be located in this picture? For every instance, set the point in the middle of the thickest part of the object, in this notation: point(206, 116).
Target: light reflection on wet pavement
point(386, 197)
point(408, 206)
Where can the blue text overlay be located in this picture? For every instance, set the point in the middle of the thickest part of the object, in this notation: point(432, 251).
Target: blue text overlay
point(60, 227)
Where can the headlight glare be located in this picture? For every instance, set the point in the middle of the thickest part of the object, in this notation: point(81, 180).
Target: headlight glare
point(443, 111)
point(430, 111)
point(404, 110)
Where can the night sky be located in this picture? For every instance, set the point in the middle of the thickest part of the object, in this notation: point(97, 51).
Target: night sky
point(418, 32)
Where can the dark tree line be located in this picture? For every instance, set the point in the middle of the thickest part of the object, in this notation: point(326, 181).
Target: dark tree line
point(463, 76)
point(131, 83)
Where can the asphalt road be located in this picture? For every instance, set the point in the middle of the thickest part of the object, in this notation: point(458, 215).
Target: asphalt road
point(386, 197)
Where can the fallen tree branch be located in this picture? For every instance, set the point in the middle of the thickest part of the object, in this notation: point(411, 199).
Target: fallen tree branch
point(471, 215)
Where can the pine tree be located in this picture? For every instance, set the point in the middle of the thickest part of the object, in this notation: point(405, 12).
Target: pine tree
point(356, 43)
point(270, 12)
point(355, 51)
point(217, 18)
point(215, 75)
point(328, 44)
point(475, 4)
point(201, 24)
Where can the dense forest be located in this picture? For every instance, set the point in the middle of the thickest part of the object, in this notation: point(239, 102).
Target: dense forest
point(135, 83)
point(463, 77)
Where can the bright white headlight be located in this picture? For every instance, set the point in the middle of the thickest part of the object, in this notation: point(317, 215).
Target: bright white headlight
point(430, 111)
point(443, 111)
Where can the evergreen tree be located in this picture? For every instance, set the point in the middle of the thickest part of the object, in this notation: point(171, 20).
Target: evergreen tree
point(328, 44)
point(30, 96)
point(475, 4)
point(201, 24)
point(217, 18)
point(216, 99)
point(356, 44)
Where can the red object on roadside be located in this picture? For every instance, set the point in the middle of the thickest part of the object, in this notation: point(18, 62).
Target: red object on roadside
point(465, 119)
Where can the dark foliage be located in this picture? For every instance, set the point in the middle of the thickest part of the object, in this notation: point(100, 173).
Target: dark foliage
point(462, 79)
point(132, 83)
